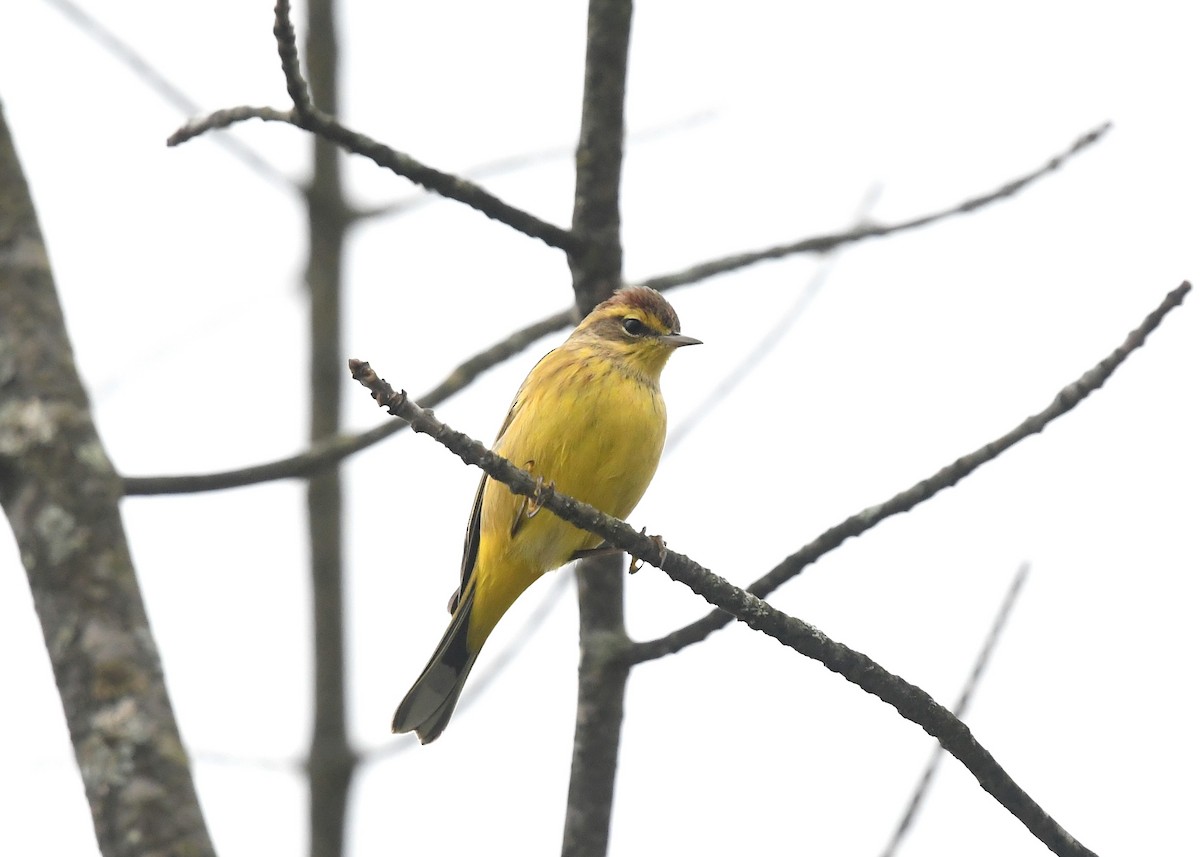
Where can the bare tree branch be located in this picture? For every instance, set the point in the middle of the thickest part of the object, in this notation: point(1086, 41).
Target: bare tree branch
point(329, 453)
point(289, 57)
point(596, 272)
point(559, 587)
point(220, 119)
point(513, 163)
point(61, 495)
point(496, 665)
point(824, 243)
point(911, 702)
point(950, 475)
point(331, 762)
point(307, 116)
point(960, 707)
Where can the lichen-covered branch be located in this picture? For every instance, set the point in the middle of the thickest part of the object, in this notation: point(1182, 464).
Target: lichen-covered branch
point(61, 495)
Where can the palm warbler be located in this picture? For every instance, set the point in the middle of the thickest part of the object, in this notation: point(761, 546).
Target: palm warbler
point(590, 419)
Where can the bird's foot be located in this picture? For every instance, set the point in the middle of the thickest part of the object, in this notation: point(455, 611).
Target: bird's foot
point(541, 490)
point(636, 564)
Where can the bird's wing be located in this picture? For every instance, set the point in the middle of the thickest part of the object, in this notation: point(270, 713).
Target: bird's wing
point(471, 541)
point(470, 547)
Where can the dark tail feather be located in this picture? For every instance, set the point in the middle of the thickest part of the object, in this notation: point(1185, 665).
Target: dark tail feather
point(426, 708)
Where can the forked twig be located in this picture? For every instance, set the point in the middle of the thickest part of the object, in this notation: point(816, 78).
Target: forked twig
point(304, 114)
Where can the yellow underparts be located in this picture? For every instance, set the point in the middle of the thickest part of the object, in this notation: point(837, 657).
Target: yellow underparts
point(593, 427)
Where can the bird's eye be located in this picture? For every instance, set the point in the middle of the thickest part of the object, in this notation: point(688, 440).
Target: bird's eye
point(634, 327)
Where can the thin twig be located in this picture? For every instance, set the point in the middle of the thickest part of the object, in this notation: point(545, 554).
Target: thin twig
point(219, 119)
point(824, 243)
point(723, 388)
point(910, 701)
point(513, 163)
point(960, 707)
point(328, 453)
point(950, 475)
point(289, 58)
point(168, 91)
point(446, 184)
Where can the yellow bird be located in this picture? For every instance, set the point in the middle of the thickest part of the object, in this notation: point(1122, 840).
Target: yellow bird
point(590, 419)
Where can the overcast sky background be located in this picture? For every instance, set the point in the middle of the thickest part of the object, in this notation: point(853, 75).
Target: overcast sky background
point(180, 268)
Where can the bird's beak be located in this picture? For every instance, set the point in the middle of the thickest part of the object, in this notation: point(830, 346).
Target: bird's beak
point(678, 340)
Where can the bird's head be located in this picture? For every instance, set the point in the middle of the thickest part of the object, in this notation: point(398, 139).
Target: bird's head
point(637, 327)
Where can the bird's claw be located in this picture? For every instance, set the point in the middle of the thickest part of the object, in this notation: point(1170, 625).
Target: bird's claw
point(636, 564)
point(541, 491)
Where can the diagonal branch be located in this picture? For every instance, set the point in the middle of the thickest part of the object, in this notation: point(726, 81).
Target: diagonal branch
point(61, 495)
point(824, 243)
point(497, 664)
point(327, 453)
point(527, 160)
point(911, 702)
point(960, 707)
point(168, 91)
point(304, 114)
point(948, 476)
point(726, 386)
point(289, 58)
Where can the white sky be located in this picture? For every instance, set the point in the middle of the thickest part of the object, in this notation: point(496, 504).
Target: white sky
point(178, 266)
